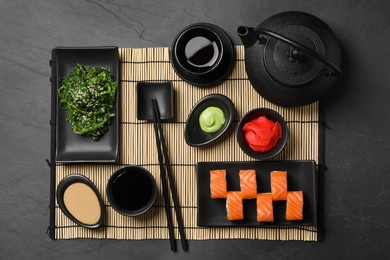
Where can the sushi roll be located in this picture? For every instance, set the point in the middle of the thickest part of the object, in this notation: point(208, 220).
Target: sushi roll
point(248, 184)
point(294, 205)
point(265, 210)
point(279, 185)
point(218, 185)
point(234, 206)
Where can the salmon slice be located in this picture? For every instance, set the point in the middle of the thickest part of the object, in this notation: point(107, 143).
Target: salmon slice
point(218, 185)
point(265, 209)
point(294, 205)
point(248, 184)
point(234, 206)
point(279, 185)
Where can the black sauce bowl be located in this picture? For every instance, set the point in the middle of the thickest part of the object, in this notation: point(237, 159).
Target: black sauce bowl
point(190, 34)
point(271, 115)
point(208, 75)
point(131, 190)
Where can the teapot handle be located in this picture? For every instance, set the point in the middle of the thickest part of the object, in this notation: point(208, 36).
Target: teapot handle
point(300, 47)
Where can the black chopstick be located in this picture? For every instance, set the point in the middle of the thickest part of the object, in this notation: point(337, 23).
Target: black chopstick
point(179, 217)
point(164, 182)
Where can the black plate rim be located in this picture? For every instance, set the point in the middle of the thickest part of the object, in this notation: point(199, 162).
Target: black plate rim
point(78, 178)
point(203, 81)
point(230, 106)
point(262, 224)
point(116, 106)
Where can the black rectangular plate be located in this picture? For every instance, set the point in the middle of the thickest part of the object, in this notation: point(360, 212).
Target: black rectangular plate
point(301, 175)
point(71, 147)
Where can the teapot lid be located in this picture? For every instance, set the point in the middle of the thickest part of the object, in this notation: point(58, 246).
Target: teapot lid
point(286, 64)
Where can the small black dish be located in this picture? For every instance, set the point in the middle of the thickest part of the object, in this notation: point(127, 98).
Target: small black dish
point(162, 92)
point(193, 134)
point(204, 74)
point(131, 190)
point(64, 185)
point(198, 50)
point(271, 115)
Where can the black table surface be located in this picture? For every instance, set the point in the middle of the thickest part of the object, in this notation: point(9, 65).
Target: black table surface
point(356, 184)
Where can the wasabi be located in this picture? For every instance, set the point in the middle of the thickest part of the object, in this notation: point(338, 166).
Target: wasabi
point(211, 120)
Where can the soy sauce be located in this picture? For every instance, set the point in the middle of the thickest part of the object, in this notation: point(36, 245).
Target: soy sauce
point(201, 52)
point(132, 190)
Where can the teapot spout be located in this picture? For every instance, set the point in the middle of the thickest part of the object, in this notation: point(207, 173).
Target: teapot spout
point(247, 35)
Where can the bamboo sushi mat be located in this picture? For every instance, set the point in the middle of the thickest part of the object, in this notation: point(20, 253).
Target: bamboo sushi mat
point(137, 147)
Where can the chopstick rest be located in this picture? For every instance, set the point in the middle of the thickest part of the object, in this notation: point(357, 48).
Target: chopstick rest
point(162, 92)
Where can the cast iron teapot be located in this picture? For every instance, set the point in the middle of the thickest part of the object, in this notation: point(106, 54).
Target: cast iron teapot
point(292, 58)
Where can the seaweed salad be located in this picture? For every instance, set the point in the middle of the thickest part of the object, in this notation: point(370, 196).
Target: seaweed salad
point(88, 95)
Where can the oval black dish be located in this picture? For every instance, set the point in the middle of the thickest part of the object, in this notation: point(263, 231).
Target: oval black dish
point(76, 178)
point(193, 134)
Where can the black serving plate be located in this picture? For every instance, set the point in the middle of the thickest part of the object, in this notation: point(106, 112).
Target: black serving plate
point(76, 178)
point(220, 73)
point(162, 92)
point(193, 134)
point(301, 175)
point(71, 147)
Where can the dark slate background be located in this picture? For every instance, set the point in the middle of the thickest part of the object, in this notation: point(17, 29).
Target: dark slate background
point(356, 185)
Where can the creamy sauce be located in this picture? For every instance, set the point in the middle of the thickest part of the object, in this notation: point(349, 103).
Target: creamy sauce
point(82, 202)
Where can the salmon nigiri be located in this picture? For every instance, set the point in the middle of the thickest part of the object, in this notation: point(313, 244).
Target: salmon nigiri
point(294, 205)
point(279, 185)
point(265, 210)
point(218, 185)
point(248, 184)
point(234, 206)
